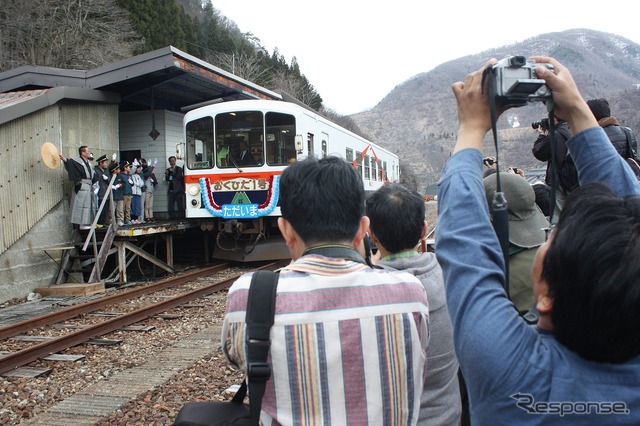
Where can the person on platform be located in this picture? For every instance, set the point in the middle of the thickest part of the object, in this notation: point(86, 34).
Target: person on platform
point(174, 176)
point(83, 199)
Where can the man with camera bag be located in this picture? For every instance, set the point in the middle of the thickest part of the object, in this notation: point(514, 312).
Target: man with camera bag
point(581, 363)
point(622, 138)
point(348, 343)
point(566, 176)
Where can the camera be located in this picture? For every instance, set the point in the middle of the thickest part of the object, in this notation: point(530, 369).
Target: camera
point(542, 123)
point(488, 161)
point(516, 82)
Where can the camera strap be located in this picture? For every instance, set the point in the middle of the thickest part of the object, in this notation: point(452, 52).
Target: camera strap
point(499, 202)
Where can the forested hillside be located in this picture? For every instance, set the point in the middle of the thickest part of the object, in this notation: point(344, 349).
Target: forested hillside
point(90, 33)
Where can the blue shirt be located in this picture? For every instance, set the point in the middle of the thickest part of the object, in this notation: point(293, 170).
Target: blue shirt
point(515, 372)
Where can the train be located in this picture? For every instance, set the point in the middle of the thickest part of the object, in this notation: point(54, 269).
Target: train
point(235, 152)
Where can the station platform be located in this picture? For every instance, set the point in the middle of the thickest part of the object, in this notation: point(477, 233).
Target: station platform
point(87, 262)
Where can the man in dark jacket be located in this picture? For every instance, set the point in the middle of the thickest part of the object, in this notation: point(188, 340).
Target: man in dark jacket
point(566, 176)
point(82, 174)
point(103, 175)
point(616, 134)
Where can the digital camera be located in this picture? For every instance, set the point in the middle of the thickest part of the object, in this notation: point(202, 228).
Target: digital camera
point(543, 123)
point(516, 82)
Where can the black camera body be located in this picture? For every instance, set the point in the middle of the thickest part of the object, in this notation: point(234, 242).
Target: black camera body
point(542, 123)
point(516, 83)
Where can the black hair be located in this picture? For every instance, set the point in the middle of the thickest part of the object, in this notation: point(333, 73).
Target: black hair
point(397, 217)
point(81, 149)
point(322, 199)
point(599, 107)
point(592, 268)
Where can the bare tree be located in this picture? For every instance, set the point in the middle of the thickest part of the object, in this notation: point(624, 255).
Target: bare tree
point(248, 66)
point(65, 33)
point(296, 87)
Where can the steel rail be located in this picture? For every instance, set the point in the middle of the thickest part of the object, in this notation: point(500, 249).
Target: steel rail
point(74, 311)
point(17, 359)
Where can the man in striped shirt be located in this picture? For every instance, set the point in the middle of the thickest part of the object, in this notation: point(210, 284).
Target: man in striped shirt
point(348, 344)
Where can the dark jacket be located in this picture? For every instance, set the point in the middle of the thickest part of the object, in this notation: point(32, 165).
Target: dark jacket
point(619, 140)
point(103, 177)
point(118, 192)
point(566, 175)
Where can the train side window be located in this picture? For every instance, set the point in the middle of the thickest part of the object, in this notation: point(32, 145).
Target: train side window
point(325, 138)
point(199, 142)
point(374, 169)
point(359, 162)
point(310, 144)
point(367, 173)
point(281, 131)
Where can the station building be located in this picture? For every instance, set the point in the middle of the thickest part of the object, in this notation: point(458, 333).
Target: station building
point(133, 108)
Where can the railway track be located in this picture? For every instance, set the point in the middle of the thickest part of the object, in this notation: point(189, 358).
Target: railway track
point(27, 355)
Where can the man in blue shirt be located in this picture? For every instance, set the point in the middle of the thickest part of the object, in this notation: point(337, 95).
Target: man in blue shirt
point(581, 364)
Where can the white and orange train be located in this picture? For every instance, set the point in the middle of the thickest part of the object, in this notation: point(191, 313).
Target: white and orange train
point(235, 154)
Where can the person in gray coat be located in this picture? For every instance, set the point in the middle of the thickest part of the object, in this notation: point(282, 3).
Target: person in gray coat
point(397, 217)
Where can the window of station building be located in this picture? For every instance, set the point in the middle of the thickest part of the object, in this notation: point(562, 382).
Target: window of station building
point(237, 132)
point(349, 155)
point(367, 170)
point(386, 171)
point(281, 132)
point(359, 162)
point(199, 142)
point(324, 148)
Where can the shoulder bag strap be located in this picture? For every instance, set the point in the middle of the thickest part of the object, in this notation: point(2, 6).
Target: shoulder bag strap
point(627, 132)
point(261, 306)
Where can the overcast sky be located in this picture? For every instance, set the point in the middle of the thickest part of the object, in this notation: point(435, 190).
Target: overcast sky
point(355, 52)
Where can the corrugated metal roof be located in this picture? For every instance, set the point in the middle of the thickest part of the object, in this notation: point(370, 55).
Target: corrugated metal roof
point(14, 105)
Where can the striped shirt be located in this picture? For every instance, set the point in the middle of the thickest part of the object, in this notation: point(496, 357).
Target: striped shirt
point(348, 344)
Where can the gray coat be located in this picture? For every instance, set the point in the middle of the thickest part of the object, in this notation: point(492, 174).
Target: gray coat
point(440, 402)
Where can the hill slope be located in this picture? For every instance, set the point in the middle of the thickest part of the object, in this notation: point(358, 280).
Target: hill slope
point(418, 118)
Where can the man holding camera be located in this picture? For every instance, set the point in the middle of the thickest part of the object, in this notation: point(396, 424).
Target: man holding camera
point(566, 176)
point(581, 364)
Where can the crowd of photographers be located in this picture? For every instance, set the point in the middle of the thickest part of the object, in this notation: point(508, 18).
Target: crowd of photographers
point(358, 343)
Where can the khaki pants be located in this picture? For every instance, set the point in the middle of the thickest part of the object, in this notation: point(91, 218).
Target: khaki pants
point(120, 211)
point(148, 205)
point(127, 208)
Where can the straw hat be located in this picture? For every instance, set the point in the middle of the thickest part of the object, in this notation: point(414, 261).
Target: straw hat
point(50, 155)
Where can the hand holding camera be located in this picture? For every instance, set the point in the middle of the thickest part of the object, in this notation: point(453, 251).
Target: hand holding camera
point(490, 162)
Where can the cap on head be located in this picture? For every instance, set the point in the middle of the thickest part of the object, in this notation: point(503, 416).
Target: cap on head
point(526, 221)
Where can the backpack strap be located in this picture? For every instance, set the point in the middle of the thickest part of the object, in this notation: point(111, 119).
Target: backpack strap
point(627, 132)
point(261, 306)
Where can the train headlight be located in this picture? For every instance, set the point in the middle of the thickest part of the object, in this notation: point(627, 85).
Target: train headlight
point(194, 190)
point(195, 203)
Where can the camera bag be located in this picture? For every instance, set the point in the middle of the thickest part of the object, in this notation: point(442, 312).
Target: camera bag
point(259, 319)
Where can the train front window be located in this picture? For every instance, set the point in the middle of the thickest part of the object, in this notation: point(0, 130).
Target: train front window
point(281, 132)
point(199, 139)
point(239, 139)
